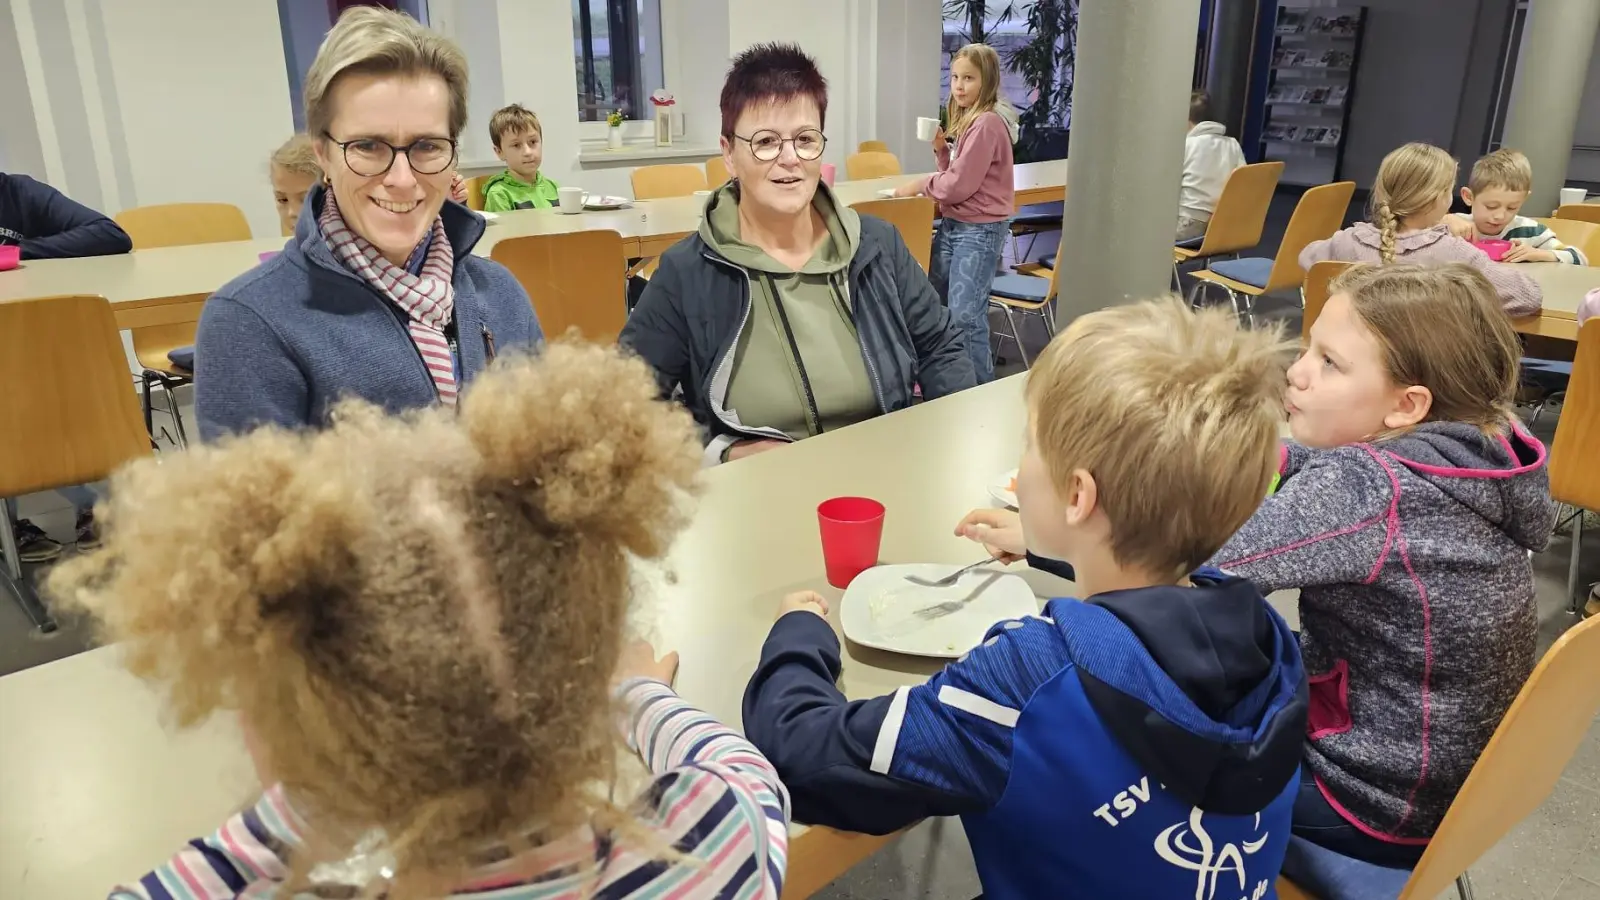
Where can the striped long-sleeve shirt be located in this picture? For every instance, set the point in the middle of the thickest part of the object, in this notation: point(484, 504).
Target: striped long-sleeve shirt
point(1537, 235)
point(714, 798)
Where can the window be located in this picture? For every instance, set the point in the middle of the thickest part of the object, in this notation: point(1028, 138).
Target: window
point(1005, 34)
point(617, 51)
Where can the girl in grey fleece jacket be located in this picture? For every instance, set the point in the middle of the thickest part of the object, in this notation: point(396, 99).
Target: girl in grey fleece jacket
point(1407, 510)
point(1409, 203)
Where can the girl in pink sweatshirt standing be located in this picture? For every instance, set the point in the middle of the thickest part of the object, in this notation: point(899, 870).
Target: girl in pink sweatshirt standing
point(1409, 203)
point(976, 196)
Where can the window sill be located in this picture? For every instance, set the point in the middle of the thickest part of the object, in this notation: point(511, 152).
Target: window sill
point(598, 155)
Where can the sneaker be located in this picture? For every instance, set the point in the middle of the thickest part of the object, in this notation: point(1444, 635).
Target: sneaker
point(88, 534)
point(33, 545)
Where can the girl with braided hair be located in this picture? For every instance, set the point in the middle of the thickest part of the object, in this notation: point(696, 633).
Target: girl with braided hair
point(1408, 208)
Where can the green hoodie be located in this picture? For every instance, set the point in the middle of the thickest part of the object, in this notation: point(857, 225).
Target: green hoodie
point(800, 329)
point(505, 192)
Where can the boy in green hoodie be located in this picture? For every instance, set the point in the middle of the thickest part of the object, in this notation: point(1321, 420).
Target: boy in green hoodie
point(519, 142)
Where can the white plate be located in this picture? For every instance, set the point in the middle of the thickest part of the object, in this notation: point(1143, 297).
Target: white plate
point(489, 217)
point(879, 608)
point(1000, 489)
point(601, 203)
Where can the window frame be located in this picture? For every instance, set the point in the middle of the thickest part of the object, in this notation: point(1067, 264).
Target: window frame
point(640, 130)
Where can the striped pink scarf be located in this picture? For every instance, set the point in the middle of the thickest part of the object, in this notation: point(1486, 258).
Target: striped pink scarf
point(428, 299)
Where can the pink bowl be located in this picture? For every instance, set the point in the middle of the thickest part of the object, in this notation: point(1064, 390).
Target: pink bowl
point(1497, 249)
point(10, 257)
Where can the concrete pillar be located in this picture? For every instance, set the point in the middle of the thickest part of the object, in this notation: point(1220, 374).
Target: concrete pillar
point(1233, 31)
point(1130, 107)
point(1549, 90)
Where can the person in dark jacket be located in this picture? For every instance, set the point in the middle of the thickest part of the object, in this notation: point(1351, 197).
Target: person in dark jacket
point(1142, 742)
point(378, 295)
point(788, 314)
point(49, 225)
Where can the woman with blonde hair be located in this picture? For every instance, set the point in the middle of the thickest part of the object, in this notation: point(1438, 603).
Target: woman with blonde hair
point(1409, 502)
point(420, 623)
point(1408, 208)
point(976, 195)
point(378, 294)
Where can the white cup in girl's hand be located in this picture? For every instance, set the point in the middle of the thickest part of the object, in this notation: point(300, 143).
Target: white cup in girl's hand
point(1571, 195)
point(571, 199)
point(926, 128)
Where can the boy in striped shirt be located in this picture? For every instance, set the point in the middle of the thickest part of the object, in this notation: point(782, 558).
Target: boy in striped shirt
point(420, 623)
point(1496, 190)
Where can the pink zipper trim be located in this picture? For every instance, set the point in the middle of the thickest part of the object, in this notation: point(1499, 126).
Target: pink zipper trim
point(1361, 826)
point(1459, 472)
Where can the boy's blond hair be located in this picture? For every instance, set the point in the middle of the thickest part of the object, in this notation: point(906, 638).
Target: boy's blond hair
point(1505, 169)
point(1175, 413)
point(299, 156)
point(1411, 180)
point(383, 42)
point(513, 119)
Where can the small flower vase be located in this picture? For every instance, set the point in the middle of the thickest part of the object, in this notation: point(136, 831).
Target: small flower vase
point(614, 137)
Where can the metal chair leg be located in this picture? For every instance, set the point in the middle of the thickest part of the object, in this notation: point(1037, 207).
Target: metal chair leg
point(1197, 294)
point(1464, 886)
point(176, 413)
point(1572, 564)
point(1011, 322)
point(14, 578)
point(145, 380)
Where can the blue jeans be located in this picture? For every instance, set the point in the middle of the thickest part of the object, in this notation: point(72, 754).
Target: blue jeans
point(965, 255)
point(1318, 822)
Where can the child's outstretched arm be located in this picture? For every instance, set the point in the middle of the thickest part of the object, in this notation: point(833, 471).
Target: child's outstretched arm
point(247, 850)
point(938, 749)
point(1328, 523)
point(715, 773)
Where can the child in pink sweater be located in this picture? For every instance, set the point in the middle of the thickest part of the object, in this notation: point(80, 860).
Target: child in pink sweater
point(977, 197)
point(1409, 204)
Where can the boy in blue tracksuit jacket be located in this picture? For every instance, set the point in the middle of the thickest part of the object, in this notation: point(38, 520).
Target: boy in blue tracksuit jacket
point(1143, 742)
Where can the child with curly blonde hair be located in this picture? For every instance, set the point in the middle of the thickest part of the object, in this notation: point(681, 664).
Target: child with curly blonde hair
point(1409, 204)
point(420, 623)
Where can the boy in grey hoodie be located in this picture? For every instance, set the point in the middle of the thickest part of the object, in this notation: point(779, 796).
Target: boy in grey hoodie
point(1405, 515)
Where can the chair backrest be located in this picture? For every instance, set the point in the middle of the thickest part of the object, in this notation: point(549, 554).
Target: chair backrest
point(1576, 233)
point(912, 216)
point(475, 187)
point(716, 173)
point(872, 164)
point(1579, 212)
point(872, 147)
point(180, 318)
point(71, 416)
point(1316, 217)
point(1574, 477)
point(1314, 292)
point(1241, 213)
point(178, 224)
point(678, 180)
point(1517, 771)
point(576, 280)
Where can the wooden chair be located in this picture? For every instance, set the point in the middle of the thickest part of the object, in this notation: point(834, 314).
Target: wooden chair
point(911, 216)
point(1574, 477)
point(1517, 771)
point(1579, 212)
point(872, 147)
point(1317, 216)
point(716, 173)
point(475, 189)
point(1240, 217)
point(1585, 236)
point(1026, 294)
point(576, 280)
point(180, 224)
point(655, 182)
point(73, 419)
point(1314, 292)
point(152, 343)
point(871, 164)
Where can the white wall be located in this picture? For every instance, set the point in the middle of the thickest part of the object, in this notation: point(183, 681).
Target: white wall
point(1585, 165)
point(20, 148)
point(908, 35)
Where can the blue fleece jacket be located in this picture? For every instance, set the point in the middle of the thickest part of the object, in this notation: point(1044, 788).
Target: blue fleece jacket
point(284, 342)
point(49, 225)
point(1142, 743)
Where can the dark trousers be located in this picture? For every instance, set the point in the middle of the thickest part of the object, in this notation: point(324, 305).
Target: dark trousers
point(1318, 822)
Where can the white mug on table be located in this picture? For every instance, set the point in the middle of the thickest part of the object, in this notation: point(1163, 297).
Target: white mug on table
point(926, 128)
point(571, 199)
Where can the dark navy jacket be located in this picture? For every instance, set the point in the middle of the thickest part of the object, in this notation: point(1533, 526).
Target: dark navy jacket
point(1141, 743)
point(49, 225)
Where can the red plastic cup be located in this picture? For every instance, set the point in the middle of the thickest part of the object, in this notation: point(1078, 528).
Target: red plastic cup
point(10, 256)
point(852, 530)
point(829, 173)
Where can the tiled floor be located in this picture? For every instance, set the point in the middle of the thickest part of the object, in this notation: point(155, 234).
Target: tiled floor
point(1553, 855)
